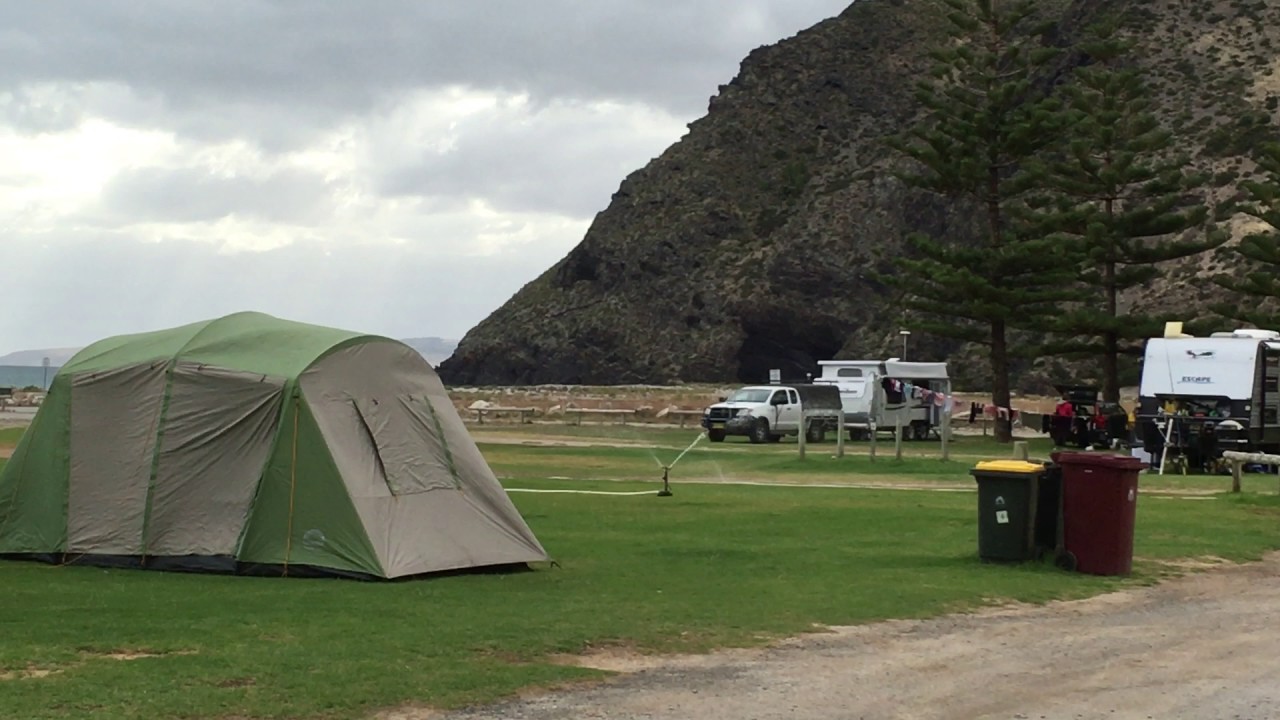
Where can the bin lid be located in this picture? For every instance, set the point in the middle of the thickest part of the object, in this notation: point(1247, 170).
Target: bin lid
point(1009, 466)
point(1097, 459)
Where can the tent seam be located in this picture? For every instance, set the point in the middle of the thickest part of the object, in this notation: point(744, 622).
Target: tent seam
point(158, 434)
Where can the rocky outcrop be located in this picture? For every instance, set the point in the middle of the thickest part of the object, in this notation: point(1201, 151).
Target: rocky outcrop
point(747, 245)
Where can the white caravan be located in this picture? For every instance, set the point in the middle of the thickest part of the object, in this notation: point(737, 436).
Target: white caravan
point(867, 405)
point(1226, 376)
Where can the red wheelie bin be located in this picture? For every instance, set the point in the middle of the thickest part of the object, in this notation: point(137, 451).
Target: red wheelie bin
point(1099, 504)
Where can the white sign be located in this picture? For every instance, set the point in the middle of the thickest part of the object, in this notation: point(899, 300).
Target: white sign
point(1002, 517)
point(775, 377)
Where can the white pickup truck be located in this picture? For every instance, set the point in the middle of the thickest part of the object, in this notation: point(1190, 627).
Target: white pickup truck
point(764, 413)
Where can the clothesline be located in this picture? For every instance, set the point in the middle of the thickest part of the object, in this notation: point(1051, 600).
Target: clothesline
point(949, 402)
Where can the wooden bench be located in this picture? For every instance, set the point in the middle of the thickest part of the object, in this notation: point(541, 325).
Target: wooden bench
point(621, 413)
point(684, 415)
point(1238, 460)
point(524, 412)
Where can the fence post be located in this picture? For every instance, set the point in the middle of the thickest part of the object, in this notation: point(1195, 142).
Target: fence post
point(897, 438)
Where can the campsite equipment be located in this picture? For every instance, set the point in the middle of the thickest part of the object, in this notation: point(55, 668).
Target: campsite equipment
point(1008, 508)
point(1091, 423)
point(869, 407)
point(253, 444)
point(1200, 396)
point(1099, 505)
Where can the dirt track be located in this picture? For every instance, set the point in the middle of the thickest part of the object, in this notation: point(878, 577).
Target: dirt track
point(1201, 646)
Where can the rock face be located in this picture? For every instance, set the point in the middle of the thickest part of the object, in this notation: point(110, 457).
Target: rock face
point(746, 246)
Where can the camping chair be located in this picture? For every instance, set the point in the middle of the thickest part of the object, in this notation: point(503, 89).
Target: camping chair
point(1174, 452)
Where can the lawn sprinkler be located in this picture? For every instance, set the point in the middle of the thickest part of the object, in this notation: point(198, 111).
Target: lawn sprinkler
point(666, 482)
point(666, 469)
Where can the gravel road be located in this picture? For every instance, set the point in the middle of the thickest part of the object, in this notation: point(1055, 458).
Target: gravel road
point(1206, 645)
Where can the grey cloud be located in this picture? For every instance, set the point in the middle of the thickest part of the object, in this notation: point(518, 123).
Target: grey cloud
point(40, 109)
point(565, 158)
point(156, 194)
point(74, 292)
point(339, 59)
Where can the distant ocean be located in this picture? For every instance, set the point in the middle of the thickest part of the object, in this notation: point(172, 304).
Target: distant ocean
point(20, 376)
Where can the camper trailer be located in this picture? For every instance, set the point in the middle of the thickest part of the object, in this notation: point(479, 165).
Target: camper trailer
point(1202, 395)
point(867, 404)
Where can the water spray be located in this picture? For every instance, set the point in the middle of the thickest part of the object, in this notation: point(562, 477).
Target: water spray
point(666, 469)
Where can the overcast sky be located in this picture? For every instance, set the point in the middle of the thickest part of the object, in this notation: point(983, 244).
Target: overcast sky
point(396, 167)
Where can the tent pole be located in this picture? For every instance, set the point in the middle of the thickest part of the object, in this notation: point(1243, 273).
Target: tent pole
point(293, 484)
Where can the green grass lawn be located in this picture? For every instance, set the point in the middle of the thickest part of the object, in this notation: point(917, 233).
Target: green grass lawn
point(10, 436)
point(647, 449)
point(716, 565)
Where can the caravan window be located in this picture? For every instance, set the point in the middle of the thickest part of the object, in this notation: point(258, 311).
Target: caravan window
point(849, 372)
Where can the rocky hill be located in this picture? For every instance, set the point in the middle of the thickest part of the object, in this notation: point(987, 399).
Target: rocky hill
point(746, 245)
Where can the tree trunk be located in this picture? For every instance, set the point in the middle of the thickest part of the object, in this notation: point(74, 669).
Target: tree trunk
point(1111, 368)
point(1000, 381)
point(999, 350)
point(1111, 343)
point(1111, 340)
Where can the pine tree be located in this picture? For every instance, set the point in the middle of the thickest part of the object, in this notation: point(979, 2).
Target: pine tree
point(1262, 283)
point(985, 121)
point(1126, 199)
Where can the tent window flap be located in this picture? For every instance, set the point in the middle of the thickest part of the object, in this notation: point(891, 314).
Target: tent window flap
point(411, 449)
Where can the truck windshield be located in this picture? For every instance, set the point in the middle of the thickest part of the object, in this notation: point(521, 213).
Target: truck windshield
point(754, 395)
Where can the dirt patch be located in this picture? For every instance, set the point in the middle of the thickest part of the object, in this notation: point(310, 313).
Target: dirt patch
point(128, 654)
point(623, 660)
point(407, 712)
point(553, 440)
point(122, 655)
point(28, 673)
point(1197, 646)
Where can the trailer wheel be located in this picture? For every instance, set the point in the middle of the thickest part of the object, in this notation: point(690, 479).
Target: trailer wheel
point(716, 435)
point(920, 430)
point(760, 431)
point(817, 433)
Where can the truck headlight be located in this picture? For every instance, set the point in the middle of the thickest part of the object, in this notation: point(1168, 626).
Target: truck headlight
point(744, 412)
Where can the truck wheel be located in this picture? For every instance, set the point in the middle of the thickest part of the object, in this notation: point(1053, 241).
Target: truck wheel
point(760, 431)
point(817, 433)
point(716, 435)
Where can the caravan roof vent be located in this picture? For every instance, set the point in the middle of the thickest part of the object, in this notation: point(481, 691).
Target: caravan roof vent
point(1256, 333)
point(1223, 335)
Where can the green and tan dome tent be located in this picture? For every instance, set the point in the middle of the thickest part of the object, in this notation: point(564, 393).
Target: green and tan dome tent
point(254, 444)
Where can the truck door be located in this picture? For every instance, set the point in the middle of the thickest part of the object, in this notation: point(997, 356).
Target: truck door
point(786, 409)
point(792, 410)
